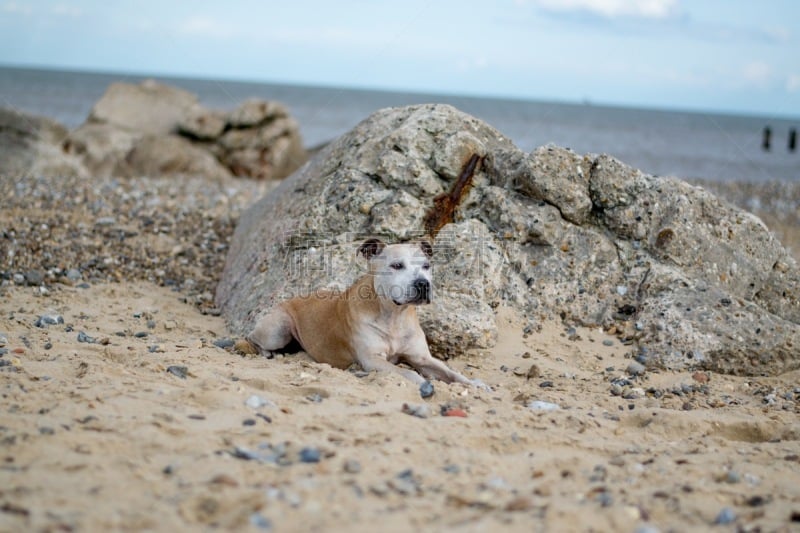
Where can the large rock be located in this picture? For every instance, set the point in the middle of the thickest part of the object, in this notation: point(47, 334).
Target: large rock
point(149, 107)
point(158, 155)
point(258, 139)
point(684, 278)
point(102, 147)
point(31, 145)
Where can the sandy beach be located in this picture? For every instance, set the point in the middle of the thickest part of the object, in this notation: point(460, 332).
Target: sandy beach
point(125, 407)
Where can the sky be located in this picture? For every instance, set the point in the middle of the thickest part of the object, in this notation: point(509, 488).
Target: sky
point(736, 56)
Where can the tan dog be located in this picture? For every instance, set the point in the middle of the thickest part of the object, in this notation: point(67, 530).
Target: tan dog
point(373, 323)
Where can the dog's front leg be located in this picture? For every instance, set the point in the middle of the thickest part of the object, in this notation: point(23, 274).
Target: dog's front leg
point(378, 362)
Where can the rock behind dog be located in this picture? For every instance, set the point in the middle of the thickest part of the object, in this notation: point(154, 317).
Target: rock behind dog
point(684, 278)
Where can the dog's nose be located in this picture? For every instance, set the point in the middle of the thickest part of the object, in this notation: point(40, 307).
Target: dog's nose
point(422, 288)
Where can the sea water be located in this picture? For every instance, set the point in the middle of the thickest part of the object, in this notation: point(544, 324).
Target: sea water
point(685, 144)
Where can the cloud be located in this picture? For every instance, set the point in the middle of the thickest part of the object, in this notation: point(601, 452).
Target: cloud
point(201, 26)
point(793, 83)
point(757, 73)
point(66, 10)
point(643, 9)
point(16, 9)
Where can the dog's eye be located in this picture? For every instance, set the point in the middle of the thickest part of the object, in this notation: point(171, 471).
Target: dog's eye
point(397, 266)
point(426, 266)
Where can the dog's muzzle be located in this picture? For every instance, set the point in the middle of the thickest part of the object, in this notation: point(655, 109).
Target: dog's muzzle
point(421, 292)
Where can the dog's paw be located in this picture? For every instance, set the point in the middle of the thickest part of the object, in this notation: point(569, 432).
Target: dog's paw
point(245, 347)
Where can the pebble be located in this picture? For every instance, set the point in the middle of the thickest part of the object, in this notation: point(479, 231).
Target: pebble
point(405, 483)
point(455, 411)
point(83, 337)
point(249, 422)
point(34, 277)
point(140, 334)
point(539, 405)
point(420, 411)
point(48, 320)
point(546, 384)
point(73, 274)
point(605, 499)
point(260, 521)
point(256, 402)
point(426, 390)
point(608, 342)
point(224, 343)
point(725, 516)
point(636, 369)
point(177, 370)
point(452, 469)
point(351, 466)
point(310, 455)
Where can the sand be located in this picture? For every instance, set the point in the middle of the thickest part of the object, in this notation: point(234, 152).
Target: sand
point(116, 435)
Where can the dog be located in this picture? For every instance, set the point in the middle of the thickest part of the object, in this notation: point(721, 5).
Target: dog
point(373, 323)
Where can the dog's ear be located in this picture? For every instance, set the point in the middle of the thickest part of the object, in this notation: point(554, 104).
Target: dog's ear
point(426, 248)
point(371, 247)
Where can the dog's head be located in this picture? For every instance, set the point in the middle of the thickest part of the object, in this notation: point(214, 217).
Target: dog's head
point(402, 272)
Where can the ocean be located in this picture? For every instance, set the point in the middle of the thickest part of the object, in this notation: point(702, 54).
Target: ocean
point(685, 144)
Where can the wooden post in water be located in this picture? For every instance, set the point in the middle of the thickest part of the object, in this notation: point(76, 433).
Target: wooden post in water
point(792, 145)
point(766, 138)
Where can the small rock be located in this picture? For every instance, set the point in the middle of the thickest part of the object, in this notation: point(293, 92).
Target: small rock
point(83, 337)
point(452, 469)
point(455, 411)
point(224, 343)
point(520, 503)
point(310, 455)
point(256, 402)
point(725, 516)
point(315, 398)
point(73, 274)
point(605, 499)
point(351, 466)
point(701, 377)
point(260, 521)
point(538, 405)
point(140, 334)
point(405, 483)
point(224, 479)
point(608, 342)
point(249, 422)
point(420, 411)
point(426, 389)
point(636, 369)
point(34, 277)
point(48, 320)
point(546, 384)
point(177, 370)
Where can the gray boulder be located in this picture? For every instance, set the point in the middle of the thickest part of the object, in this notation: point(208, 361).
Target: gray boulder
point(101, 147)
point(149, 107)
point(32, 145)
point(258, 139)
point(158, 155)
point(683, 278)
